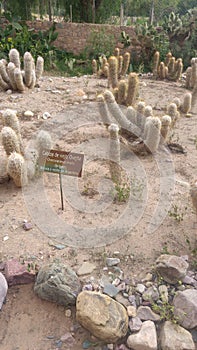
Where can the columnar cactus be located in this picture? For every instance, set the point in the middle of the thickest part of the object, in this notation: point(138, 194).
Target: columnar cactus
point(115, 169)
point(11, 75)
point(15, 58)
point(148, 111)
point(155, 63)
point(173, 112)
point(131, 115)
point(152, 140)
point(116, 111)
point(140, 114)
point(126, 63)
point(10, 140)
point(193, 77)
point(103, 110)
point(16, 168)
point(43, 141)
point(162, 71)
point(94, 67)
point(39, 67)
point(194, 99)
point(133, 87)
point(19, 80)
point(28, 67)
point(122, 91)
point(113, 71)
point(187, 103)
point(10, 119)
point(165, 128)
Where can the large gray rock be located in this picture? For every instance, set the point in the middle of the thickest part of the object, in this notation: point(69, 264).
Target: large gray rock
point(185, 308)
point(171, 267)
point(105, 318)
point(145, 339)
point(175, 337)
point(3, 289)
point(57, 283)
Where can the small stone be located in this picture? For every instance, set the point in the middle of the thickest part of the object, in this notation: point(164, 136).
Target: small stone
point(5, 238)
point(121, 286)
point(110, 346)
point(151, 294)
point(67, 338)
point(110, 290)
point(145, 313)
point(46, 115)
point(163, 291)
point(112, 261)
point(27, 226)
point(148, 277)
point(140, 288)
point(68, 313)
point(51, 80)
point(189, 280)
point(132, 300)
point(9, 92)
point(16, 273)
point(122, 300)
point(132, 311)
point(116, 282)
point(145, 339)
point(135, 324)
point(87, 287)
point(86, 268)
point(28, 114)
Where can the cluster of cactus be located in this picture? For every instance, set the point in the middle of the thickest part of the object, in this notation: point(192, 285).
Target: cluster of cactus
point(177, 106)
point(171, 69)
point(21, 163)
point(144, 132)
point(14, 78)
point(191, 74)
point(113, 68)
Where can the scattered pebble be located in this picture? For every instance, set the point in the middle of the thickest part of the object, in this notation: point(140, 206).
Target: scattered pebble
point(28, 114)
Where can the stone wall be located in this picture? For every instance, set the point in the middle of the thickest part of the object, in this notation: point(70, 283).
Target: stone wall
point(73, 37)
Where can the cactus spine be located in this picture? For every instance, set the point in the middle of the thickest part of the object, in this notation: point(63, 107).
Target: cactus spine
point(10, 119)
point(115, 169)
point(126, 63)
point(16, 168)
point(3, 72)
point(19, 80)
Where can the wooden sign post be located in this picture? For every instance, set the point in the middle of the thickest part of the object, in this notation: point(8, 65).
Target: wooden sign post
point(62, 163)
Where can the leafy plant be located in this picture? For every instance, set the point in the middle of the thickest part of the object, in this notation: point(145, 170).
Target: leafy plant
point(125, 39)
point(122, 192)
point(176, 213)
point(99, 43)
point(166, 311)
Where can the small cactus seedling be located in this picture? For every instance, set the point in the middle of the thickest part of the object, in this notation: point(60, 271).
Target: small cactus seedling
point(16, 168)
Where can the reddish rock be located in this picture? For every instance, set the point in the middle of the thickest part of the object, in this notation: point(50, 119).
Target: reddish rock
point(16, 273)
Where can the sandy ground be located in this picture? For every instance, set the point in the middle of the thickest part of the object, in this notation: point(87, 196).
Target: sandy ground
point(92, 225)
